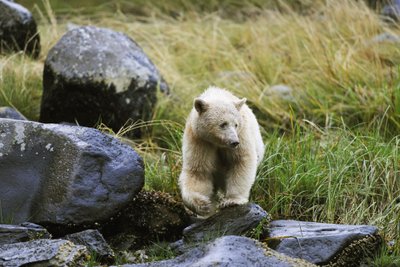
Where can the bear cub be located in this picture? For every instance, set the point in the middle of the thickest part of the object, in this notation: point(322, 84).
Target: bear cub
point(222, 147)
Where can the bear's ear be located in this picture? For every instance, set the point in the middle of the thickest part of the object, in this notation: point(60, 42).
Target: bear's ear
point(240, 103)
point(200, 105)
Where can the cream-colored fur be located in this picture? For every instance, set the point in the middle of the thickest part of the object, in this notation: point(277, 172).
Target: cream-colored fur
point(222, 147)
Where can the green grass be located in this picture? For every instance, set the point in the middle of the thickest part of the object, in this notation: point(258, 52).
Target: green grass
point(332, 176)
point(332, 151)
point(20, 84)
point(5, 219)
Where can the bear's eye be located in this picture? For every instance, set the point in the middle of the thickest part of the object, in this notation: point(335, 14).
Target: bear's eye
point(223, 125)
point(236, 125)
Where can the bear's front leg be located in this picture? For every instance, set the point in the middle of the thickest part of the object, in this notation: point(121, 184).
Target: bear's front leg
point(197, 189)
point(238, 184)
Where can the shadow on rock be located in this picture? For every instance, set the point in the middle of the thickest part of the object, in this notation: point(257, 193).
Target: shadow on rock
point(152, 216)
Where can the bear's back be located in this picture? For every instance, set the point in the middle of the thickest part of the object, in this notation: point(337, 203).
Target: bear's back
point(215, 93)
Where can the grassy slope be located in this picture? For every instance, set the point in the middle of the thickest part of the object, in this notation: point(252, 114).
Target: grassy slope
point(332, 151)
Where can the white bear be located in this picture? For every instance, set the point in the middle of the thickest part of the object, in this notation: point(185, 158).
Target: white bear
point(222, 147)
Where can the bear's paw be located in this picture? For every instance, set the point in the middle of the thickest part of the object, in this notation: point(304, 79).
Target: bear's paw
point(227, 202)
point(203, 206)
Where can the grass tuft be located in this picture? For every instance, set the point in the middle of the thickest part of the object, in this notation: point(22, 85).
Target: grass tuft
point(336, 177)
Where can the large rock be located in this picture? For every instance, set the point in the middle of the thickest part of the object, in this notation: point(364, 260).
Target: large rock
point(64, 175)
point(150, 217)
point(43, 252)
point(11, 113)
point(95, 74)
point(324, 244)
point(234, 220)
point(20, 233)
point(229, 251)
point(18, 30)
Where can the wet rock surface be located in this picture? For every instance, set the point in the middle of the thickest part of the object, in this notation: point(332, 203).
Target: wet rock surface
point(97, 75)
point(151, 216)
point(229, 251)
point(11, 113)
point(20, 233)
point(64, 176)
point(285, 243)
point(94, 242)
point(234, 220)
point(18, 30)
point(43, 252)
point(323, 244)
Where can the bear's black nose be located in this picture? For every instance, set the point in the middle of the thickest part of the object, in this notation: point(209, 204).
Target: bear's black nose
point(234, 144)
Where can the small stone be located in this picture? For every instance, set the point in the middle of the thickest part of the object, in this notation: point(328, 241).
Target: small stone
point(94, 241)
point(20, 233)
point(386, 38)
point(281, 91)
point(11, 113)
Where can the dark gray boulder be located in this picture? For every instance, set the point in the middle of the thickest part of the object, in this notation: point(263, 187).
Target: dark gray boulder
point(94, 241)
point(96, 74)
point(229, 251)
point(11, 113)
point(233, 220)
point(18, 30)
point(20, 233)
point(67, 176)
point(323, 244)
point(43, 252)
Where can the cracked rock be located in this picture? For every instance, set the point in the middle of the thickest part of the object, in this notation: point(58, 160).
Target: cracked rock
point(43, 252)
point(94, 241)
point(227, 251)
point(20, 233)
point(324, 244)
point(234, 220)
point(64, 177)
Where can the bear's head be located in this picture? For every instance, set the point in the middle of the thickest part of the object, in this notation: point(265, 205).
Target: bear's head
point(218, 122)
